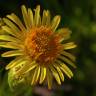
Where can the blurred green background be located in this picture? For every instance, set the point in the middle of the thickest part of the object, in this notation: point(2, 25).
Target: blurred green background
point(80, 17)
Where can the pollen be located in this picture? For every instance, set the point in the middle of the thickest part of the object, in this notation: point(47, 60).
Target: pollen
point(42, 45)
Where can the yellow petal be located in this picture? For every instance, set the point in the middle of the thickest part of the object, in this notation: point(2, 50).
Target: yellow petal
point(69, 45)
point(10, 31)
point(27, 67)
point(49, 78)
point(55, 74)
point(64, 33)
point(55, 22)
point(11, 25)
point(36, 75)
point(16, 20)
point(15, 62)
point(25, 16)
point(37, 15)
point(30, 15)
point(45, 18)
point(10, 45)
point(2, 31)
point(48, 18)
point(65, 72)
point(39, 24)
point(68, 61)
point(43, 74)
point(59, 71)
point(67, 69)
point(69, 55)
point(12, 53)
point(9, 38)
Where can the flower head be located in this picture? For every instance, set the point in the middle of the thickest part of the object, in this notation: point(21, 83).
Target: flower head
point(38, 46)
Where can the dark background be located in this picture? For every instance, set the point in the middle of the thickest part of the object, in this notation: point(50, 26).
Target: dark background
point(80, 17)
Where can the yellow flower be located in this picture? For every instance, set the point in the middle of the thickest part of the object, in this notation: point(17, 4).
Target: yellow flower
point(40, 50)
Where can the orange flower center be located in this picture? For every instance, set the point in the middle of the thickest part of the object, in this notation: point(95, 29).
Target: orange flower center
point(42, 45)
